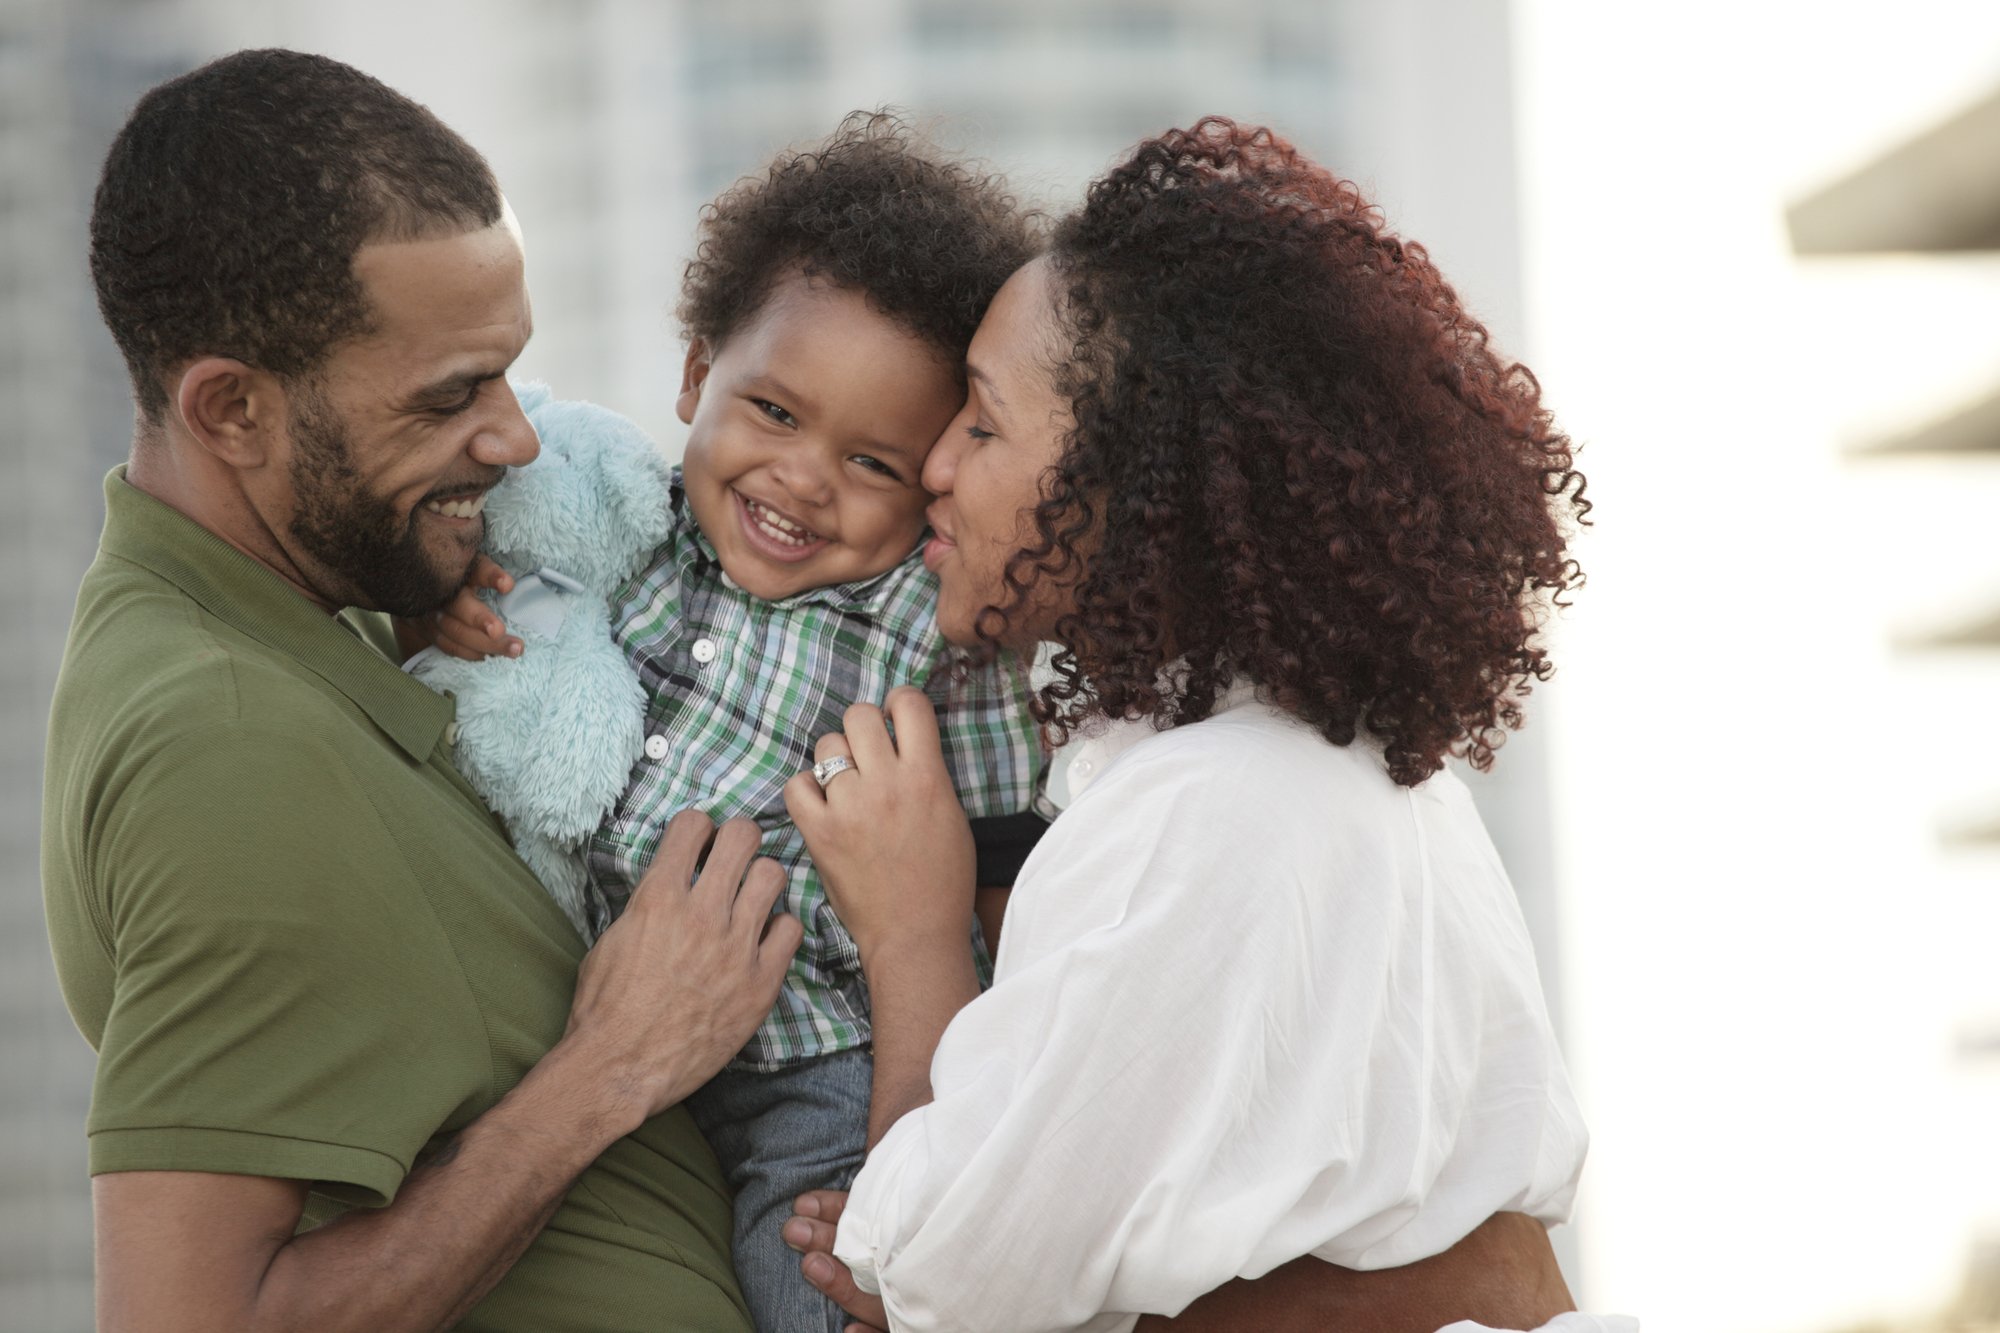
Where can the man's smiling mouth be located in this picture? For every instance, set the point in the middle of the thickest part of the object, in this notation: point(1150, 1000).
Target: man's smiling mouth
point(467, 506)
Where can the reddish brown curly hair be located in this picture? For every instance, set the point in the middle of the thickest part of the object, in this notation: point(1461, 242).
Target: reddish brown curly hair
point(1294, 456)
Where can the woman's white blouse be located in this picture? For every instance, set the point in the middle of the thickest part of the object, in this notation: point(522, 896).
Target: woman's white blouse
point(1253, 1000)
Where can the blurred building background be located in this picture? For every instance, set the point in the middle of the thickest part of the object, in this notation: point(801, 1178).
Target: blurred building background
point(1744, 246)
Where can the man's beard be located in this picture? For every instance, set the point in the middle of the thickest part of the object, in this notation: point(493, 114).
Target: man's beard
point(358, 536)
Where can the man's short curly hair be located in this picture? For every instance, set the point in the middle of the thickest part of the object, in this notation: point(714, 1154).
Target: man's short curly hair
point(235, 197)
point(1295, 457)
point(872, 209)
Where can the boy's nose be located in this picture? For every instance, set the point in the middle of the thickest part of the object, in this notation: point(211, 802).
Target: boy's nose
point(803, 479)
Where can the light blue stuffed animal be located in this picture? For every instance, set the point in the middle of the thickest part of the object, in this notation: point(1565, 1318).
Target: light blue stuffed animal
point(549, 737)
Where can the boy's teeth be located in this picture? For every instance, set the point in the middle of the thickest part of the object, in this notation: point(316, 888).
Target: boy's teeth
point(458, 508)
point(777, 528)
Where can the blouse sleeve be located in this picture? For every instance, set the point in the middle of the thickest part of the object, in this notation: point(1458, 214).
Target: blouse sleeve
point(1210, 1051)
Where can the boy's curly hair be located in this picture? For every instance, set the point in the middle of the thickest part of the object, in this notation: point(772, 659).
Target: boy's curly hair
point(1294, 456)
point(873, 209)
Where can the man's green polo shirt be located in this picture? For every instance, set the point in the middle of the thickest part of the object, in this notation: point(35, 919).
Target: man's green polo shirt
point(299, 942)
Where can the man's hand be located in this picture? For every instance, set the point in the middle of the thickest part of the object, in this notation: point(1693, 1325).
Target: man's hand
point(1503, 1275)
point(467, 627)
point(682, 979)
point(815, 1219)
point(673, 990)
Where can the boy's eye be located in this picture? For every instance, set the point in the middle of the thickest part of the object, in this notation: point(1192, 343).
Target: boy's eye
point(874, 464)
point(776, 413)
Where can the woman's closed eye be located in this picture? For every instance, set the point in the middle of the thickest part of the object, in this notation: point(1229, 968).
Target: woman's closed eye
point(978, 433)
point(773, 411)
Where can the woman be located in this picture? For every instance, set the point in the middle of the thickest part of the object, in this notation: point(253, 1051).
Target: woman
point(1263, 991)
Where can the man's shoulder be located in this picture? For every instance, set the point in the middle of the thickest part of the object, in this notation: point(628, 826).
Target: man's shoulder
point(144, 658)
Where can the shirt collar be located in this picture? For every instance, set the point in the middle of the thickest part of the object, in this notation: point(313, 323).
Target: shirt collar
point(1105, 739)
point(860, 597)
point(244, 594)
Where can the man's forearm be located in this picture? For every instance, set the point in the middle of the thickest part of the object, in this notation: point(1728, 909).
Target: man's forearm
point(458, 1224)
point(1503, 1275)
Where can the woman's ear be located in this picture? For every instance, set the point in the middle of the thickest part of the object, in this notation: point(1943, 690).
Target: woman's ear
point(235, 412)
point(694, 373)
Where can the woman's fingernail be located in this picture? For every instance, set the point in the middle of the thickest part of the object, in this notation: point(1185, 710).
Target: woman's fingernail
point(818, 1269)
point(514, 648)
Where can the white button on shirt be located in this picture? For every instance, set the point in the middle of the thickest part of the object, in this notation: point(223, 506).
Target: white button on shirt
point(704, 651)
point(656, 748)
point(1253, 1000)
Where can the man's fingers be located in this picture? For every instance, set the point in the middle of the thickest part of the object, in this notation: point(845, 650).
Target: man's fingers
point(826, 1205)
point(780, 940)
point(722, 876)
point(762, 883)
point(832, 1277)
point(687, 837)
point(805, 1235)
point(829, 745)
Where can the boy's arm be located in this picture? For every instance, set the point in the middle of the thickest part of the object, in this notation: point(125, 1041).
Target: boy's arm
point(467, 627)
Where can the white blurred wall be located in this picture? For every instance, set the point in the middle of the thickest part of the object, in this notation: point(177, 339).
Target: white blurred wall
point(1771, 957)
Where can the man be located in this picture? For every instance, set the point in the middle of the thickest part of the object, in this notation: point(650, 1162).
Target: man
point(316, 975)
point(343, 1081)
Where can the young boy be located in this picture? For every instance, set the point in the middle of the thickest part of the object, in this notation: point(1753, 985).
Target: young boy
point(827, 311)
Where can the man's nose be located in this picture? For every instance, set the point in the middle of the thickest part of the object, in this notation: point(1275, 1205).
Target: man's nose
point(509, 439)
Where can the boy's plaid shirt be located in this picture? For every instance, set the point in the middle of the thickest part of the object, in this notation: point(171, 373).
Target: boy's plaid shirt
point(739, 689)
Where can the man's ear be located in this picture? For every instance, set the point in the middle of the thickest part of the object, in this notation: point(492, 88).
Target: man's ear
point(694, 373)
point(235, 412)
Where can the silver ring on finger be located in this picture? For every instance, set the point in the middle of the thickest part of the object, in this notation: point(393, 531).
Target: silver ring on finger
point(826, 770)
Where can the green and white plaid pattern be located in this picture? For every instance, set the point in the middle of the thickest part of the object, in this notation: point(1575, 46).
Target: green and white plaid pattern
point(739, 688)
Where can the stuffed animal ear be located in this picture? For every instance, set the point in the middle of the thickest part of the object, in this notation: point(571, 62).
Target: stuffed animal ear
point(593, 506)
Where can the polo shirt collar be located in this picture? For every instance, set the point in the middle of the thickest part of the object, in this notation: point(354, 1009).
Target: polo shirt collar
point(244, 594)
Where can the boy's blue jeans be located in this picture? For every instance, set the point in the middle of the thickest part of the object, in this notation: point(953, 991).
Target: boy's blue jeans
point(777, 1135)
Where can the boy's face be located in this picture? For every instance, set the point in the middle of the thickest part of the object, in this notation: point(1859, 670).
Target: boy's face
point(810, 426)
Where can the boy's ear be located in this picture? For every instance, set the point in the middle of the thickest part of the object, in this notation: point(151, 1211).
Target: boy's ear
point(231, 410)
point(694, 373)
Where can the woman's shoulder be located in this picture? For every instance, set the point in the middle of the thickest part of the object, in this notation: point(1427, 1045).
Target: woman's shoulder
point(1250, 755)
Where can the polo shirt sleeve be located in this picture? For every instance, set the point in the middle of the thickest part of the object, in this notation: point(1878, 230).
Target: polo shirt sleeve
point(278, 982)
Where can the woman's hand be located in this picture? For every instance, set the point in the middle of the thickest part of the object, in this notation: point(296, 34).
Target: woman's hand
point(467, 627)
point(888, 835)
point(815, 1220)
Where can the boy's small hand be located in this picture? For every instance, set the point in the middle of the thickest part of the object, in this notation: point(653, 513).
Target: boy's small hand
point(468, 627)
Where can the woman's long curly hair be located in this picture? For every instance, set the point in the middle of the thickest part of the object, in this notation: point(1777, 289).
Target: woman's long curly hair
point(1296, 457)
